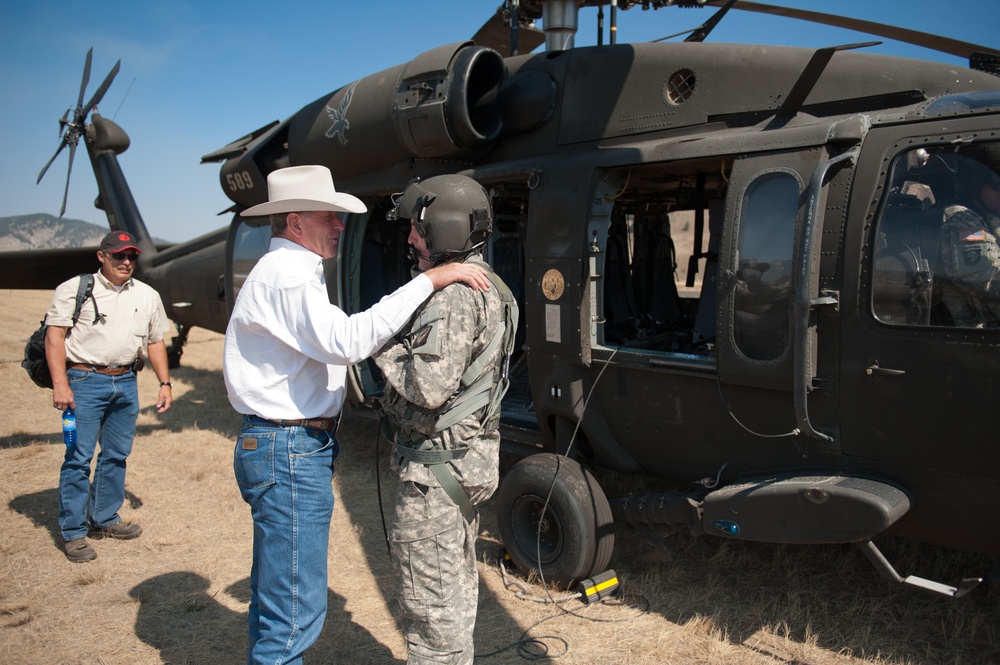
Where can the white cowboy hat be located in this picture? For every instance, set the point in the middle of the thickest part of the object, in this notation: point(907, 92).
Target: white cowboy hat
point(303, 189)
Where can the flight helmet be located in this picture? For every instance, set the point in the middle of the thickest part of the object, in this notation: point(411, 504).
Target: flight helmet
point(452, 213)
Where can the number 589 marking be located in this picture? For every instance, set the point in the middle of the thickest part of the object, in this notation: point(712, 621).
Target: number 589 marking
point(239, 181)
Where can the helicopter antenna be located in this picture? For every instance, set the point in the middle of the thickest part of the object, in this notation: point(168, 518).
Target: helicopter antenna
point(122, 102)
point(70, 130)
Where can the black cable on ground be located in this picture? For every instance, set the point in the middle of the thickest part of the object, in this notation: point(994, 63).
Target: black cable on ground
point(535, 648)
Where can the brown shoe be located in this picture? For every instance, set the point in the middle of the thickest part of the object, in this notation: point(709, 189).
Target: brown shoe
point(118, 530)
point(79, 550)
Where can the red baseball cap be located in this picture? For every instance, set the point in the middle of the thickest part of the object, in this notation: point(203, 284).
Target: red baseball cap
point(117, 241)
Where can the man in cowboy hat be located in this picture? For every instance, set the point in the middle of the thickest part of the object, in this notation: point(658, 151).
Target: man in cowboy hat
point(93, 361)
point(285, 365)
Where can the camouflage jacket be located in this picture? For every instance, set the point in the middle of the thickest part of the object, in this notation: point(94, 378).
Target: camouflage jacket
point(970, 255)
point(423, 368)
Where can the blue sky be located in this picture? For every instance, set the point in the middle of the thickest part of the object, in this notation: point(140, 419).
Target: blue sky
point(198, 74)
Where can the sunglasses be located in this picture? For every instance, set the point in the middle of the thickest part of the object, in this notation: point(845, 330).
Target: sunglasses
point(121, 256)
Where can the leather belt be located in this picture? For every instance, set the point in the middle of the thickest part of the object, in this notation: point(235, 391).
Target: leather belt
point(102, 369)
point(324, 424)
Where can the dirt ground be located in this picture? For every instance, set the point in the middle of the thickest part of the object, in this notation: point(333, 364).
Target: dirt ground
point(179, 593)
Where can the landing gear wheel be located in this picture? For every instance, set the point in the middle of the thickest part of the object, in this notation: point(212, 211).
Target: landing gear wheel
point(572, 537)
point(176, 347)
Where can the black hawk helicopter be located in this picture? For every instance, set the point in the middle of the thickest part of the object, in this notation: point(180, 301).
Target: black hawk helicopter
point(754, 292)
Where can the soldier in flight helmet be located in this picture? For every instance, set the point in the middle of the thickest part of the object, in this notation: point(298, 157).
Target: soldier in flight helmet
point(451, 218)
point(445, 376)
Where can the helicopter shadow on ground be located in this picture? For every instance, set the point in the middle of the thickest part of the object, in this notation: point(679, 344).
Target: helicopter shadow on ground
point(42, 508)
point(828, 595)
point(180, 615)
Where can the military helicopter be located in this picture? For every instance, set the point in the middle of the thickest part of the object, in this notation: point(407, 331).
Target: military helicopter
point(810, 369)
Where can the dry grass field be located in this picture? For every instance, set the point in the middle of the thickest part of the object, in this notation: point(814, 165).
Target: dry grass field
point(178, 594)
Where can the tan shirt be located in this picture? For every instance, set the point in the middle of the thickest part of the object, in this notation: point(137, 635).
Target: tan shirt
point(131, 319)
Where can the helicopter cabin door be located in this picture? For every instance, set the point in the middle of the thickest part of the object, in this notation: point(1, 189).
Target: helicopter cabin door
point(921, 337)
point(773, 204)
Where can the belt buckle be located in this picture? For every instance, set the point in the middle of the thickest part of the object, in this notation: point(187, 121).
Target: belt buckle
point(326, 424)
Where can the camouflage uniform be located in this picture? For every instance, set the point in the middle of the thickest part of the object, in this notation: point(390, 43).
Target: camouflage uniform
point(433, 545)
point(970, 255)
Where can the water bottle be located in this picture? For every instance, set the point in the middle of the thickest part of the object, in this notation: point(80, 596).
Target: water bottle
point(69, 428)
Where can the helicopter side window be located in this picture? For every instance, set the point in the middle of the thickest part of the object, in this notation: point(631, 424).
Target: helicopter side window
point(937, 253)
point(659, 258)
point(252, 239)
point(762, 295)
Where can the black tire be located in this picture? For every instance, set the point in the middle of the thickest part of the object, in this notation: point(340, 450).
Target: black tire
point(577, 535)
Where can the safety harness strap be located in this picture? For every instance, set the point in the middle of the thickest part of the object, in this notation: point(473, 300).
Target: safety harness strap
point(437, 462)
point(468, 402)
point(428, 455)
point(476, 368)
point(449, 483)
point(478, 389)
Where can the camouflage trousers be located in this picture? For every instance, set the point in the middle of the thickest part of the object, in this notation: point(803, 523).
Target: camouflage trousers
point(434, 563)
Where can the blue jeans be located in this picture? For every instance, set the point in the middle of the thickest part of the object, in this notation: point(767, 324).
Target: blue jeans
point(286, 475)
point(106, 406)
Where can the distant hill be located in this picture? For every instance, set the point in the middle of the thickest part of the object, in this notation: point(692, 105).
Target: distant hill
point(44, 231)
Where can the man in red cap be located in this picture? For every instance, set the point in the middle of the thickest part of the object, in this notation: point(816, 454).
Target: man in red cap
point(93, 362)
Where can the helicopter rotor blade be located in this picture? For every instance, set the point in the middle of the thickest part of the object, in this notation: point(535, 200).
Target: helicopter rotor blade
point(935, 42)
point(99, 95)
point(700, 33)
point(69, 172)
point(86, 76)
point(63, 122)
point(73, 123)
point(49, 163)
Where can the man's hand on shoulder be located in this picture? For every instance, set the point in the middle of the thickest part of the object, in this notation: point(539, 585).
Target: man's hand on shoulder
point(449, 273)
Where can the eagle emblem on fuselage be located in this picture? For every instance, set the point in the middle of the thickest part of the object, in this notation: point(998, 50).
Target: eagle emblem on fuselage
point(339, 117)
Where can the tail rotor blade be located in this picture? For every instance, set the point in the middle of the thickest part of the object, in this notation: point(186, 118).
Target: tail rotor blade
point(49, 163)
point(63, 122)
point(86, 76)
point(72, 153)
point(99, 95)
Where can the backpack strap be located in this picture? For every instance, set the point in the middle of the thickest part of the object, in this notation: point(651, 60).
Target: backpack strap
point(84, 291)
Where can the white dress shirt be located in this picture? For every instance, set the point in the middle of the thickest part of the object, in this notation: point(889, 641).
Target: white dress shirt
point(287, 347)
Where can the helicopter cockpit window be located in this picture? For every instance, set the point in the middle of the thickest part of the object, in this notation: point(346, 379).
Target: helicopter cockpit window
point(253, 237)
point(937, 243)
point(762, 295)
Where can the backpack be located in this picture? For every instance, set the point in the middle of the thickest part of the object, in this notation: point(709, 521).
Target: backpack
point(34, 362)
